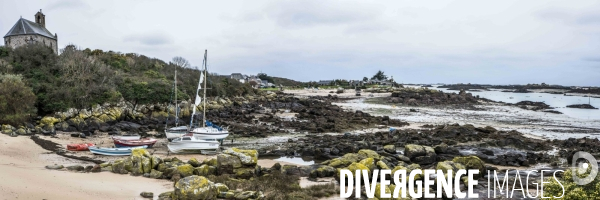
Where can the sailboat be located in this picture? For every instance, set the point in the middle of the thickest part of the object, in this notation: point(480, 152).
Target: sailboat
point(197, 140)
point(208, 129)
point(176, 131)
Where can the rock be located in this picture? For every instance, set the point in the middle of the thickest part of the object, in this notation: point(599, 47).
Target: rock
point(210, 162)
point(276, 166)
point(323, 171)
point(369, 153)
point(205, 170)
point(244, 173)
point(155, 174)
point(147, 194)
point(165, 195)
point(21, 131)
point(378, 189)
point(390, 148)
point(76, 168)
point(247, 157)
point(194, 187)
point(248, 195)
point(369, 163)
point(353, 167)
point(226, 163)
point(221, 187)
point(55, 167)
point(184, 170)
point(96, 169)
point(420, 154)
point(346, 160)
point(194, 162)
point(472, 162)
point(382, 165)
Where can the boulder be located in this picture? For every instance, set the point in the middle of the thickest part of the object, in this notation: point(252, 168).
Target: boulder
point(247, 157)
point(471, 162)
point(76, 168)
point(55, 167)
point(369, 153)
point(155, 174)
point(390, 148)
point(194, 162)
point(205, 170)
point(420, 154)
point(165, 195)
point(147, 194)
point(226, 163)
point(210, 162)
point(323, 171)
point(194, 187)
point(382, 165)
point(369, 163)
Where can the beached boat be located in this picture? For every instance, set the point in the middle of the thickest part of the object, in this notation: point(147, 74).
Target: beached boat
point(176, 131)
point(79, 147)
point(190, 143)
point(149, 142)
point(114, 151)
point(208, 129)
point(126, 137)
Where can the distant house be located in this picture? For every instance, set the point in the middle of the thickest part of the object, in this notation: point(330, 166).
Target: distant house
point(237, 76)
point(325, 82)
point(356, 83)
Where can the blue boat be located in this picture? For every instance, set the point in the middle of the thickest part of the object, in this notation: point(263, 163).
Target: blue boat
point(114, 151)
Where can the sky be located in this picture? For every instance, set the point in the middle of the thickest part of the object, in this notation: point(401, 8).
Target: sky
point(466, 41)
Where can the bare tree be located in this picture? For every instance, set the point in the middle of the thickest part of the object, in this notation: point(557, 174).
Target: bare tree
point(180, 62)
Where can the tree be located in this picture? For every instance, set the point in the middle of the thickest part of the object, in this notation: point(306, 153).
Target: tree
point(180, 62)
point(365, 79)
point(380, 76)
point(17, 101)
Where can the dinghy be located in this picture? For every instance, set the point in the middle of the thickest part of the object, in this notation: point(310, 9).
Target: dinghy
point(79, 147)
point(176, 132)
point(189, 143)
point(126, 137)
point(113, 151)
point(149, 142)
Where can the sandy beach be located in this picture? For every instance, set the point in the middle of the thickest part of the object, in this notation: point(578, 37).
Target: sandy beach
point(23, 176)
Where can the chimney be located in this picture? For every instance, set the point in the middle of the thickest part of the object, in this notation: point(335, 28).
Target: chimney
point(40, 18)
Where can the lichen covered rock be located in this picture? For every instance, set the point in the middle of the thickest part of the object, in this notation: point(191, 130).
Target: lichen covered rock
point(471, 162)
point(247, 157)
point(205, 170)
point(369, 153)
point(194, 187)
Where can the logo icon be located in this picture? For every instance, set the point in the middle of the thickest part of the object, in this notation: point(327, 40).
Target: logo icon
point(583, 167)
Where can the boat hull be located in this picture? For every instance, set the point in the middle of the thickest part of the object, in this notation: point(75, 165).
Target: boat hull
point(179, 147)
point(209, 133)
point(127, 137)
point(113, 151)
point(134, 143)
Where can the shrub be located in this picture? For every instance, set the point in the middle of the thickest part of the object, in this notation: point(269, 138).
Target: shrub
point(16, 100)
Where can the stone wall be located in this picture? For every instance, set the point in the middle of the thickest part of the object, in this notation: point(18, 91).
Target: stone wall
point(20, 40)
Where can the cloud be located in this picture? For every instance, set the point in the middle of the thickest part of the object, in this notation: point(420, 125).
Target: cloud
point(149, 39)
point(589, 18)
point(312, 13)
point(591, 59)
point(67, 4)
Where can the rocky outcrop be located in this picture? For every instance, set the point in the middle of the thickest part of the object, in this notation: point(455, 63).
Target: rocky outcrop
point(582, 106)
point(428, 97)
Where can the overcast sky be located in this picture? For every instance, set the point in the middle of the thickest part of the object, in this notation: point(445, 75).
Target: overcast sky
point(466, 41)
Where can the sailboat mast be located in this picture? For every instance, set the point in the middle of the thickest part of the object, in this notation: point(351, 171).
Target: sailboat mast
point(205, 77)
point(176, 104)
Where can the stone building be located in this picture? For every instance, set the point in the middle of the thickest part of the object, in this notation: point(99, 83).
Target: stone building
point(28, 32)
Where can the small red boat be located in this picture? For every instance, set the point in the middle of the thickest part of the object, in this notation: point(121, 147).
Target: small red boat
point(134, 143)
point(79, 147)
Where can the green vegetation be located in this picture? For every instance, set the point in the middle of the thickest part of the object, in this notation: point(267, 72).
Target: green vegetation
point(571, 189)
point(16, 100)
point(379, 76)
point(84, 78)
point(278, 186)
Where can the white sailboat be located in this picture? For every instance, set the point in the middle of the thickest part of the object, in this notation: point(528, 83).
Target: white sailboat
point(197, 140)
point(190, 143)
point(208, 129)
point(177, 131)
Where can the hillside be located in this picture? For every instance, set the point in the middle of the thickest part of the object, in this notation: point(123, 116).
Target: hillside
point(82, 78)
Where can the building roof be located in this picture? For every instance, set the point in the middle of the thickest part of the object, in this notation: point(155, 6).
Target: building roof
point(26, 27)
